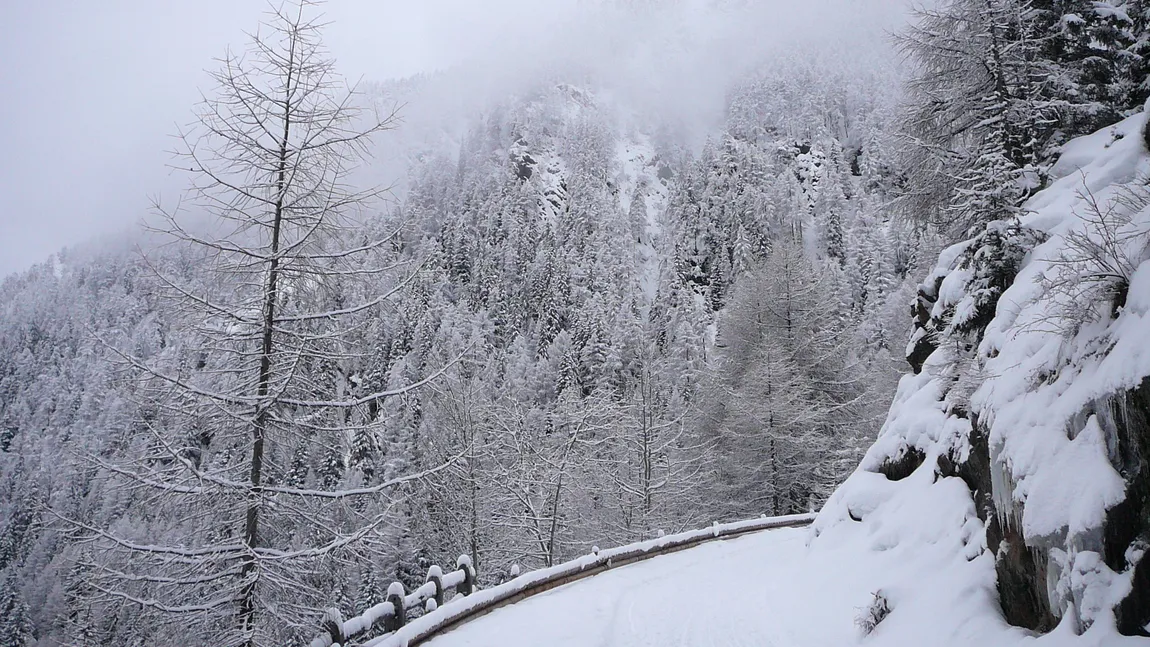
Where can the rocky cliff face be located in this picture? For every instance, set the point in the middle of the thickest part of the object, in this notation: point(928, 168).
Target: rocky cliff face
point(1031, 384)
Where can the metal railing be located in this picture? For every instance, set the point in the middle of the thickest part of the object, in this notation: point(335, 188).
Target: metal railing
point(387, 624)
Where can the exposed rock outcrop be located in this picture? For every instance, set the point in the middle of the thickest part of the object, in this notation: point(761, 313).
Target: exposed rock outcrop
point(1031, 384)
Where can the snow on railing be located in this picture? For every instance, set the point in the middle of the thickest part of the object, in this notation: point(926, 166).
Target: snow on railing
point(390, 616)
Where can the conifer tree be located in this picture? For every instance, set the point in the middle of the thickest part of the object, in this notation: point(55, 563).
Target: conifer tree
point(15, 624)
point(978, 115)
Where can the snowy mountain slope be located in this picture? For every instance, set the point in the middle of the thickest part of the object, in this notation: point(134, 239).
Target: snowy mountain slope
point(1026, 424)
point(1007, 487)
point(598, 306)
point(643, 197)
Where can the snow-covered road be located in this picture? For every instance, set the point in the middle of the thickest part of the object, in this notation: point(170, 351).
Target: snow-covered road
point(787, 588)
point(749, 590)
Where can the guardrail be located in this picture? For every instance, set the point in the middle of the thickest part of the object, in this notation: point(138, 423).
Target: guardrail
point(391, 616)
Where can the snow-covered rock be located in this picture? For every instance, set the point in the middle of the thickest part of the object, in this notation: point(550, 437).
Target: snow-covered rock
point(1019, 451)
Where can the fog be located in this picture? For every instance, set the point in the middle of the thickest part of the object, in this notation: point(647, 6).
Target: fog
point(93, 91)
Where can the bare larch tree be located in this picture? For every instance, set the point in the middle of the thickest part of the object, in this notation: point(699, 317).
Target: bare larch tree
point(280, 283)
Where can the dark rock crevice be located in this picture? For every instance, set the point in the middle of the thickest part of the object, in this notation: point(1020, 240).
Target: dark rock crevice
point(925, 342)
point(1020, 569)
point(898, 467)
point(1127, 524)
point(974, 471)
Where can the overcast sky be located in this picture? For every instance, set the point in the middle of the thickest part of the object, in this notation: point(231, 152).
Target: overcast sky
point(91, 91)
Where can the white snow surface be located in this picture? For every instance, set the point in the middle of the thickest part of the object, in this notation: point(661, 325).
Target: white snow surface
point(788, 588)
point(462, 605)
point(637, 162)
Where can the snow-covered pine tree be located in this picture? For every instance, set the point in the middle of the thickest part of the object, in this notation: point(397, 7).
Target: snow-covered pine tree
point(785, 392)
point(15, 625)
point(978, 118)
point(1095, 57)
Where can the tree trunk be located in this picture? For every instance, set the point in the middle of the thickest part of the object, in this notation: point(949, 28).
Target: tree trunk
point(259, 421)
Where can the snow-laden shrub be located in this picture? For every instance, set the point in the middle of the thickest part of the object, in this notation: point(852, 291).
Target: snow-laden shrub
point(1091, 273)
point(959, 298)
point(870, 616)
point(985, 268)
